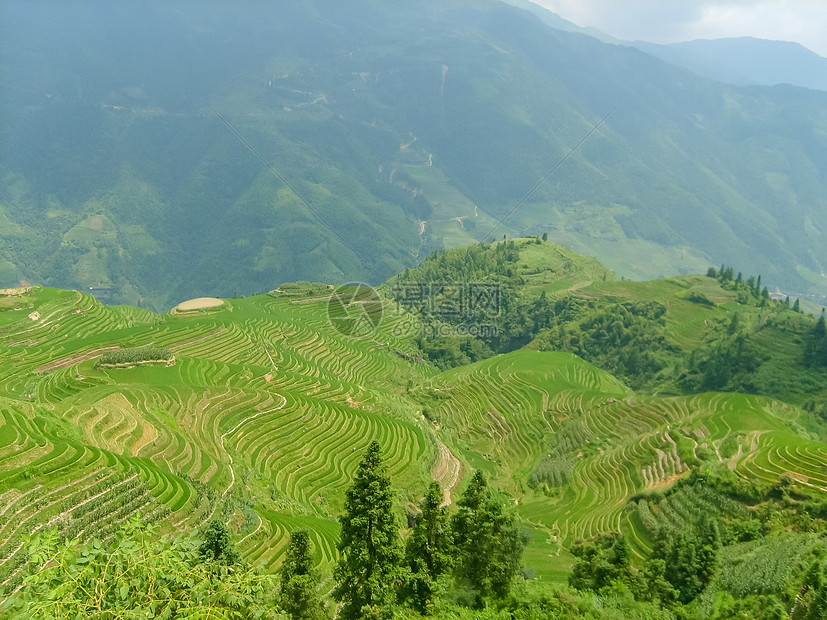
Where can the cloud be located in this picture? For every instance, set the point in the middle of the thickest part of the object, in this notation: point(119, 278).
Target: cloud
point(803, 21)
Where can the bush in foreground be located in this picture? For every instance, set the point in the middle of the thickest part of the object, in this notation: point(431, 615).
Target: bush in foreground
point(136, 575)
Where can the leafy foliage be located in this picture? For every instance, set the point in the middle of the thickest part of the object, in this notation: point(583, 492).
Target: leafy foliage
point(135, 575)
point(815, 352)
point(600, 563)
point(135, 355)
point(552, 471)
point(218, 545)
point(428, 550)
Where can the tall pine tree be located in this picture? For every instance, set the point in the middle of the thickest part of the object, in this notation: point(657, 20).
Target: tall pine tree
point(299, 595)
point(428, 550)
point(488, 542)
point(370, 553)
point(815, 350)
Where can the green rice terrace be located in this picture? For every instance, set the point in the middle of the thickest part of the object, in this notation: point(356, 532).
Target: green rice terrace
point(258, 411)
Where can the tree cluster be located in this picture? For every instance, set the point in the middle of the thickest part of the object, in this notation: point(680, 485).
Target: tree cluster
point(749, 290)
point(136, 355)
point(677, 570)
point(480, 547)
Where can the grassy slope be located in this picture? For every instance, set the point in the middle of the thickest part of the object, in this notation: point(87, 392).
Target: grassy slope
point(502, 415)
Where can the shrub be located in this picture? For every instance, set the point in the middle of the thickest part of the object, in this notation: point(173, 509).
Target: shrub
point(135, 356)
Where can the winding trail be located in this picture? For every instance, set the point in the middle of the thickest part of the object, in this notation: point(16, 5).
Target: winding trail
point(447, 471)
point(235, 428)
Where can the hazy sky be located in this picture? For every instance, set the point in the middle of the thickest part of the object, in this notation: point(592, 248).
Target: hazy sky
point(667, 21)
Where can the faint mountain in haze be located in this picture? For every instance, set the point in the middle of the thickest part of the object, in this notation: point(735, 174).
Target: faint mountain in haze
point(552, 19)
point(745, 61)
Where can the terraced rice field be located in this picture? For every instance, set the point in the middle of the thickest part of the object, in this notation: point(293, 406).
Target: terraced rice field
point(512, 410)
point(262, 419)
point(267, 410)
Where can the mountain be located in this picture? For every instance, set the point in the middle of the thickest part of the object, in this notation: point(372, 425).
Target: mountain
point(745, 61)
point(405, 127)
point(257, 410)
point(553, 20)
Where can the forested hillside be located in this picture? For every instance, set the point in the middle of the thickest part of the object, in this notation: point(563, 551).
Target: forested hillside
point(407, 127)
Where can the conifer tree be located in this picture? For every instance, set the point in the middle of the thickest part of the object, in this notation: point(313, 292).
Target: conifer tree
point(709, 544)
point(369, 550)
point(299, 595)
point(489, 545)
point(815, 350)
point(428, 550)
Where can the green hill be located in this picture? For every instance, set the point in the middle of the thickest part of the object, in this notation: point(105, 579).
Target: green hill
point(669, 336)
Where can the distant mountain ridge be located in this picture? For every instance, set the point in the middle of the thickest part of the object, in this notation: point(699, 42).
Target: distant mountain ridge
point(407, 127)
point(745, 61)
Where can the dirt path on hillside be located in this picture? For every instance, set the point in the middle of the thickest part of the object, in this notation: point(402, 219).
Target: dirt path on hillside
point(71, 360)
point(447, 471)
point(235, 428)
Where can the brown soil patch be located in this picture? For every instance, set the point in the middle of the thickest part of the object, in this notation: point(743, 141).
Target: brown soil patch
point(268, 377)
point(71, 360)
point(447, 471)
point(198, 303)
point(670, 479)
point(14, 292)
